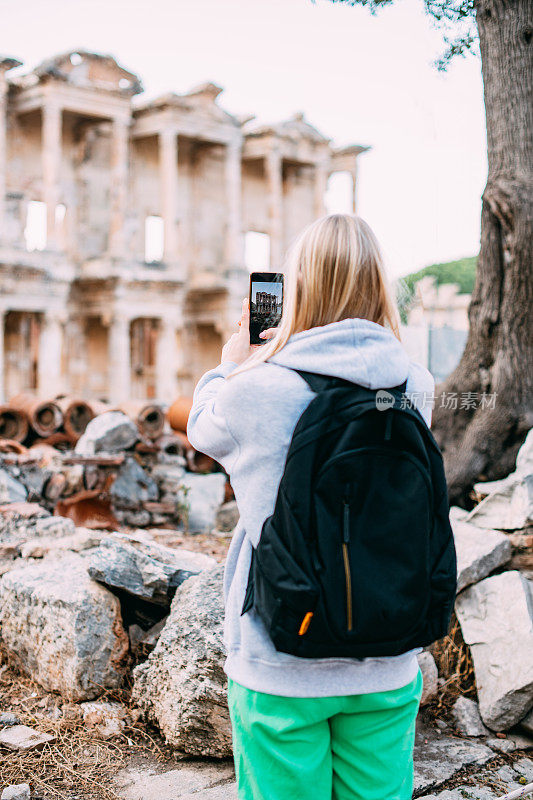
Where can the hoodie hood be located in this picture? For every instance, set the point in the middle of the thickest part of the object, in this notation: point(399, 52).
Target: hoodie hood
point(356, 350)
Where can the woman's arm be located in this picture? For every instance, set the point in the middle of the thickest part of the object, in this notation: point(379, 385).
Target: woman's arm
point(207, 429)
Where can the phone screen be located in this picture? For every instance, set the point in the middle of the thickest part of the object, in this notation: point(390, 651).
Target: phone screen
point(266, 303)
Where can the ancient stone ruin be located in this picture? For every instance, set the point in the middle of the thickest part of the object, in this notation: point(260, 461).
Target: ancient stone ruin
point(123, 224)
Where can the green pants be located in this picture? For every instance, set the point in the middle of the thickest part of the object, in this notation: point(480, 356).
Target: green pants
point(358, 747)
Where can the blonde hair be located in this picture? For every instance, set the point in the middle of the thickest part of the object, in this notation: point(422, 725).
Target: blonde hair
point(335, 272)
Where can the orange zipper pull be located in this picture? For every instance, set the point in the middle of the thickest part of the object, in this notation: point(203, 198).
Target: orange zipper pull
point(305, 623)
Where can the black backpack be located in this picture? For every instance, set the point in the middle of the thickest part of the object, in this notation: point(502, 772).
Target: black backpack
point(358, 558)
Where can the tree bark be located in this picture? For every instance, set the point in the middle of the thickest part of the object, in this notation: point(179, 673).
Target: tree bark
point(482, 442)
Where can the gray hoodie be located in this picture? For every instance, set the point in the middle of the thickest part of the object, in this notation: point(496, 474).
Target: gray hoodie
point(246, 424)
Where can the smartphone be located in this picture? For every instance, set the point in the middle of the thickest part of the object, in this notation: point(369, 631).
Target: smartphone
point(266, 303)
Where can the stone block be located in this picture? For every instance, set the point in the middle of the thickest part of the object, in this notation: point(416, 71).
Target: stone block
point(467, 719)
point(438, 757)
point(22, 738)
point(496, 621)
point(204, 496)
point(143, 568)
point(64, 629)
point(430, 675)
point(479, 552)
point(182, 685)
point(110, 432)
point(19, 792)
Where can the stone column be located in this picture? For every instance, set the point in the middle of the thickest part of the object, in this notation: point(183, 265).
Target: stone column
point(119, 186)
point(51, 160)
point(119, 359)
point(168, 171)
point(234, 238)
point(167, 361)
point(353, 173)
point(5, 65)
point(321, 185)
point(3, 153)
point(50, 354)
point(274, 175)
point(2, 359)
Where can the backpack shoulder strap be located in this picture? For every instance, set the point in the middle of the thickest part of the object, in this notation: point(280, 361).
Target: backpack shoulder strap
point(318, 383)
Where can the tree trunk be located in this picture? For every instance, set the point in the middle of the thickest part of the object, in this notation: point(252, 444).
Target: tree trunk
point(482, 442)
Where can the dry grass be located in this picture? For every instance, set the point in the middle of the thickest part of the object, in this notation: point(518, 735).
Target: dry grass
point(454, 663)
point(79, 763)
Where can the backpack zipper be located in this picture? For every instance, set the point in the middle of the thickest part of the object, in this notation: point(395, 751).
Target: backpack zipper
point(346, 561)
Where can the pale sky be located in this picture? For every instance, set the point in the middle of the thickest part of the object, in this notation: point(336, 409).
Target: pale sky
point(358, 78)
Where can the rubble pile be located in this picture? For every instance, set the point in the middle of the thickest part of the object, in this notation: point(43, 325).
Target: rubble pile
point(104, 468)
point(494, 607)
point(82, 608)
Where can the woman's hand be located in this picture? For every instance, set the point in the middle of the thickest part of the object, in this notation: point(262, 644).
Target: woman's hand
point(238, 347)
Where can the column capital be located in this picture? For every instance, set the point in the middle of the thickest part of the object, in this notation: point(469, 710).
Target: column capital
point(119, 320)
point(53, 317)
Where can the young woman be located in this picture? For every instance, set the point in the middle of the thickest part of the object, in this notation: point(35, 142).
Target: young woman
point(326, 728)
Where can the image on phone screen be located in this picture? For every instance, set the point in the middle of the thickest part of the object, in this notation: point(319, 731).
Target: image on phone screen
point(266, 303)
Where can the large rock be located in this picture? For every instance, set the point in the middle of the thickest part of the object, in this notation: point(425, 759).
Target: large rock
point(227, 516)
point(182, 686)
point(23, 739)
point(143, 568)
point(11, 490)
point(496, 621)
point(509, 502)
point(132, 487)
point(17, 518)
point(526, 724)
point(479, 552)
point(19, 791)
point(438, 757)
point(41, 546)
point(430, 676)
point(204, 495)
point(64, 629)
point(110, 432)
point(169, 478)
point(467, 719)
point(20, 522)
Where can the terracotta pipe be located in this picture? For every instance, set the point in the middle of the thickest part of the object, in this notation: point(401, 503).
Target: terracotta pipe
point(13, 424)
point(178, 413)
point(44, 415)
point(76, 416)
point(173, 444)
point(12, 446)
point(149, 417)
point(55, 440)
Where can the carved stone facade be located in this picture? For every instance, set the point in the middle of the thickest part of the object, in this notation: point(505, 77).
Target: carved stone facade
point(86, 310)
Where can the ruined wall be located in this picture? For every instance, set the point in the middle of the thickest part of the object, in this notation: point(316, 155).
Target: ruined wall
point(82, 308)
